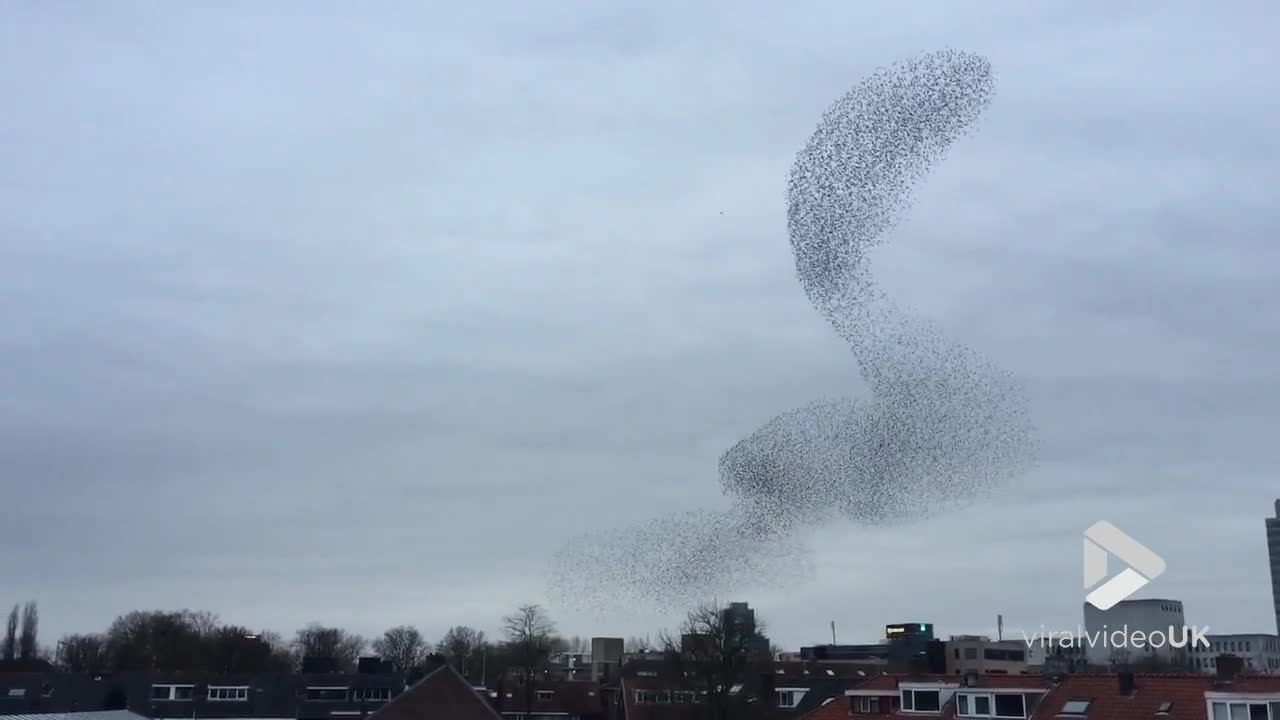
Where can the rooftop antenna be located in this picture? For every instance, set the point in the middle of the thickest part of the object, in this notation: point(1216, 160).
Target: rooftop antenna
point(833, 632)
point(999, 627)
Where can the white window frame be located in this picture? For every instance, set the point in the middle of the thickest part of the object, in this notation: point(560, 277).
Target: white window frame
point(173, 688)
point(370, 694)
point(17, 693)
point(796, 696)
point(972, 711)
point(1270, 700)
point(869, 704)
point(239, 693)
point(902, 699)
point(544, 695)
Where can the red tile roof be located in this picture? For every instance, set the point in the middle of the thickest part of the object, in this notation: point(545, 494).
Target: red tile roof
point(1186, 692)
point(836, 708)
point(442, 695)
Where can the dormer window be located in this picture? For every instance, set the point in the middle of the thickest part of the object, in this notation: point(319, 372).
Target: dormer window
point(1246, 710)
point(991, 705)
point(921, 700)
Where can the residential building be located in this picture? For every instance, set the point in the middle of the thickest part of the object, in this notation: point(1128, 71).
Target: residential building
point(1136, 616)
point(974, 695)
point(161, 695)
point(442, 693)
point(563, 700)
point(1273, 550)
point(981, 654)
point(654, 690)
point(1122, 696)
point(1260, 653)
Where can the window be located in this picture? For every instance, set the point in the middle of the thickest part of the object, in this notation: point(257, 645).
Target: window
point(971, 653)
point(1005, 705)
point(644, 697)
point(172, 692)
point(1248, 645)
point(545, 695)
point(786, 699)
point(1010, 705)
point(1242, 711)
point(220, 692)
point(921, 700)
point(957, 653)
point(869, 705)
point(998, 654)
point(327, 694)
point(371, 694)
point(1165, 708)
point(17, 692)
point(1075, 707)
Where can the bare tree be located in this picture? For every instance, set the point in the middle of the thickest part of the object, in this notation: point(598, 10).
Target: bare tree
point(28, 644)
point(720, 653)
point(638, 645)
point(530, 639)
point(463, 648)
point(155, 640)
point(205, 623)
point(316, 640)
point(402, 646)
point(82, 653)
point(281, 653)
point(10, 648)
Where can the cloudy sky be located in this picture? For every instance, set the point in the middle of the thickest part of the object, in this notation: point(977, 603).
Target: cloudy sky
point(315, 315)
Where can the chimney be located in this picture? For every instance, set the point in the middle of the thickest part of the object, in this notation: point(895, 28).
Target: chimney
point(1229, 666)
point(768, 690)
point(1127, 683)
point(918, 665)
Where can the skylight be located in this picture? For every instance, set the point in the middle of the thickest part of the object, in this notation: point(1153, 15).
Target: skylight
point(1076, 707)
point(1165, 708)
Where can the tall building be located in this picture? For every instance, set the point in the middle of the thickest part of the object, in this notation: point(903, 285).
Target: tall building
point(1273, 547)
point(1131, 618)
point(1259, 652)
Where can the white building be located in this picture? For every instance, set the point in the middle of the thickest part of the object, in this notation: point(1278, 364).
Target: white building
point(1260, 652)
point(1133, 617)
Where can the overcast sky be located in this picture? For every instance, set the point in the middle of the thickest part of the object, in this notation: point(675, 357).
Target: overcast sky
point(315, 315)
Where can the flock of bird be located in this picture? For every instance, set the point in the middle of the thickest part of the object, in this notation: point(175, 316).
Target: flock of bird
point(941, 425)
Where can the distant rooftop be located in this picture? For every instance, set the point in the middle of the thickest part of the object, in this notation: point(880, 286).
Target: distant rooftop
point(99, 715)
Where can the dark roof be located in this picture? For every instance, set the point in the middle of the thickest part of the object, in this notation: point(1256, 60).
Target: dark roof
point(442, 695)
point(572, 697)
point(270, 695)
